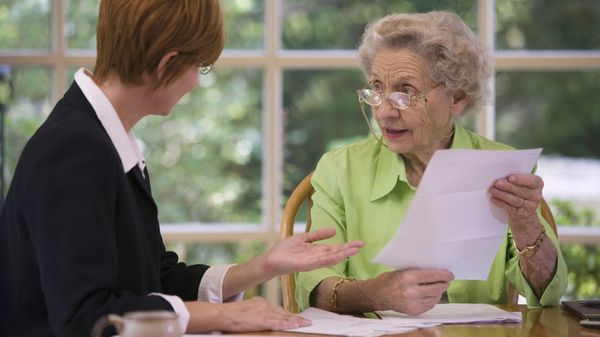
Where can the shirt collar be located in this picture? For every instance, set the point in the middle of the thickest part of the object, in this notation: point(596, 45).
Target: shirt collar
point(124, 141)
point(390, 166)
point(389, 170)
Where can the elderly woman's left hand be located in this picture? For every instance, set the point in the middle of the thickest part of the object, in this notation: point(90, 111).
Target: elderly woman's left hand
point(519, 195)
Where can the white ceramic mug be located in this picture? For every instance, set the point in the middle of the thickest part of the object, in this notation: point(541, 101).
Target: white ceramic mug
point(141, 324)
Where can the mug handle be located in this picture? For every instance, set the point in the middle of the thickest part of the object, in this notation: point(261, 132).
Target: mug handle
point(106, 321)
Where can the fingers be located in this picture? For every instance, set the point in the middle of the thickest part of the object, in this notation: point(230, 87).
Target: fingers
point(527, 186)
point(433, 290)
point(257, 314)
point(320, 234)
point(518, 192)
point(333, 254)
point(530, 181)
point(289, 321)
point(428, 276)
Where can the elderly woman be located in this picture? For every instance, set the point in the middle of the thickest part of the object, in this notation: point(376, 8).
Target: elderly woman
point(423, 71)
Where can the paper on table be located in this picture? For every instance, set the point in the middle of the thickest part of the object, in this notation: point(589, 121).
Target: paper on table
point(328, 323)
point(451, 215)
point(454, 313)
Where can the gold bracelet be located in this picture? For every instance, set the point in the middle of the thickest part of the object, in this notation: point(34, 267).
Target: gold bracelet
point(335, 288)
point(531, 250)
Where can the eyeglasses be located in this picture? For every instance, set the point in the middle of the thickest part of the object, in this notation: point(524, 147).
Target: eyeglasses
point(203, 70)
point(399, 100)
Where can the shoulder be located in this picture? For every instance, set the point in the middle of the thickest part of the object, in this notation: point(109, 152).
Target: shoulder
point(355, 153)
point(480, 142)
point(69, 142)
point(71, 130)
point(349, 162)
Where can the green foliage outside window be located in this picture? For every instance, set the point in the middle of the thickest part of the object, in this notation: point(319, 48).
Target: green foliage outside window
point(205, 159)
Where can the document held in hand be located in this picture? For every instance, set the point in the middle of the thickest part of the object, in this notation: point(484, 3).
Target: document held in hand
point(451, 223)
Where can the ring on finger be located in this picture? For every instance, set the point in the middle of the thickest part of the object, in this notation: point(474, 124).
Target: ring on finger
point(522, 204)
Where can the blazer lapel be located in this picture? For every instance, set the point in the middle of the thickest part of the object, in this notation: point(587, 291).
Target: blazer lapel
point(145, 191)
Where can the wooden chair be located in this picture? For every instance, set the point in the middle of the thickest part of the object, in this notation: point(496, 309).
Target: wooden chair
point(302, 194)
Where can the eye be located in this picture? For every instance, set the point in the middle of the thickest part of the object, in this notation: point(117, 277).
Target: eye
point(377, 86)
point(409, 90)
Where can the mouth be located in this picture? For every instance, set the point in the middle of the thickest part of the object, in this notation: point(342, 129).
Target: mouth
point(392, 133)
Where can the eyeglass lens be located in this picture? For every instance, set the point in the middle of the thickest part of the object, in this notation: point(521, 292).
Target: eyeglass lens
point(398, 100)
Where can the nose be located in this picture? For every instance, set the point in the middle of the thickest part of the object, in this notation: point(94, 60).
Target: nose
point(386, 109)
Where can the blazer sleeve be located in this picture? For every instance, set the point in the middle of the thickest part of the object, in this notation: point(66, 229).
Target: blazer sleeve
point(179, 279)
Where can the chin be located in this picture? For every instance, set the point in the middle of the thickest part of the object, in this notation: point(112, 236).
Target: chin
point(398, 148)
point(163, 113)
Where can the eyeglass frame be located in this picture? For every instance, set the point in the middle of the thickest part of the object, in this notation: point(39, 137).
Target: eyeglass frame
point(204, 70)
point(361, 101)
point(411, 98)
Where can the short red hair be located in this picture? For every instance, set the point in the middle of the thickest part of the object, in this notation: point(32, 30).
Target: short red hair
point(133, 35)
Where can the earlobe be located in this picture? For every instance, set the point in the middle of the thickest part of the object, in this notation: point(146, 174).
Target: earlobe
point(162, 64)
point(459, 101)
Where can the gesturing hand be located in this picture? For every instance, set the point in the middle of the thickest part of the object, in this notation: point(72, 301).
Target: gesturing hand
point(300, 253)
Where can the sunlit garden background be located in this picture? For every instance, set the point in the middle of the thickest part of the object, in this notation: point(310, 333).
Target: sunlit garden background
point(208, 158)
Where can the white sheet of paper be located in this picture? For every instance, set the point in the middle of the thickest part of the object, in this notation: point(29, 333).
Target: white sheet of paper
point(451, 223)
point(328, 323)
point(465, 313)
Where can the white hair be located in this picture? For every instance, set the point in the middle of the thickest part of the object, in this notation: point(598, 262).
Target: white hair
point(453, 53)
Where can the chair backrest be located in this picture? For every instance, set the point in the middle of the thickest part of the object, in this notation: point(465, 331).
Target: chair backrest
point(301, 194)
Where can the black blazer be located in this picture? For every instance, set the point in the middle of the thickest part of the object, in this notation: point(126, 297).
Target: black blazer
point(79, 238)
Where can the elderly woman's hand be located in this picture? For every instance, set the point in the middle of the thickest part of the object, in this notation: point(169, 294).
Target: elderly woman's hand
point(411, 291)
point(519, 195)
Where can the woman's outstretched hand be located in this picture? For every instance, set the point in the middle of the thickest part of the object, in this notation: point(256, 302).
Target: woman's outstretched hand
point(293, 254)
point(301, 253)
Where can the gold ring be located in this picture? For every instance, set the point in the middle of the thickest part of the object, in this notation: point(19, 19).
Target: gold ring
point(522, 204)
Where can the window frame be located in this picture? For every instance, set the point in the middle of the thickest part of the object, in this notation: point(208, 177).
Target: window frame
point(274, 61)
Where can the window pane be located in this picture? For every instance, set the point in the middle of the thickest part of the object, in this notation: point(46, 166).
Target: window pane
point(542, 24)
point(25, 24)
point(222, 253)
point(27, 106)
point(244, 21)
point(339, 24)
point(584, 271)
point(80, 28)
point(321, 113)
point(560, 112)
point(205, 157)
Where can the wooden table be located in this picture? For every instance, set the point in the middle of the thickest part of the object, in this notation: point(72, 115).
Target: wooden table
point(547, 322)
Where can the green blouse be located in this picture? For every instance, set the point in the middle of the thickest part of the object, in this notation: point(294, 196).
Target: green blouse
point(363, 192)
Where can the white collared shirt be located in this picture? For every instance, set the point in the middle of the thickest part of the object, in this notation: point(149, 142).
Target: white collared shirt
point(211, 285)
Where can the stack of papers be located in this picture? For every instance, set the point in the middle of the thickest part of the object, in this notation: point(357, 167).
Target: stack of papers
point(328, 323)
point(456, 313)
